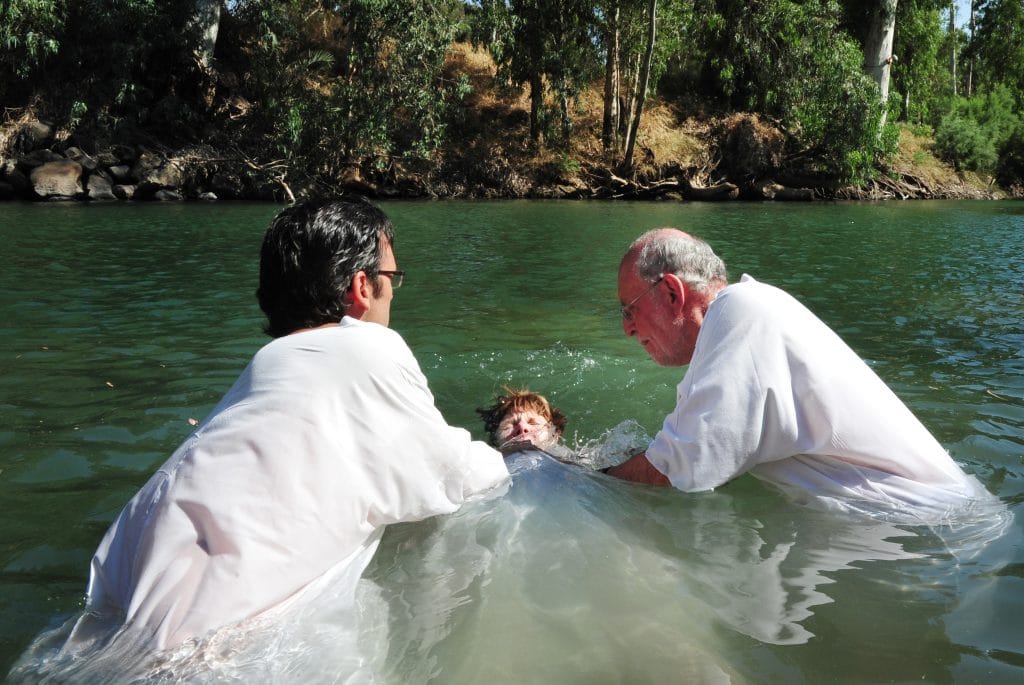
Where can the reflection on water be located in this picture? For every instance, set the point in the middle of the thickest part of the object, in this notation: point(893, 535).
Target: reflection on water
point(123, 323)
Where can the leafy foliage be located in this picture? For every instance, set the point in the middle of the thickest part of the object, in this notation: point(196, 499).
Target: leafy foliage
point(1010, 169)
point(998, 45)
point(29, 35)
point(919, 71)
point(534, 41)
point(790, 60)
point(359, 80)
point(962, 141)
point(975, 129)
point(327, 85)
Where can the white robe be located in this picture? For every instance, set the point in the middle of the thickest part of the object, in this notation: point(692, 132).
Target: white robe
point(773, 391)
point(326, 437)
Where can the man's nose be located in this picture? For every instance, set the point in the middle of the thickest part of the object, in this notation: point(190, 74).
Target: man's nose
point(519, 428)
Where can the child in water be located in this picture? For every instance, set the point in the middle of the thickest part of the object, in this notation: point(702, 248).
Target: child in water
point(521, 417)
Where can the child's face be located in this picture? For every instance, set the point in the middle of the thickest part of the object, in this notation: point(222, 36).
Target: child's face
point(526, 425)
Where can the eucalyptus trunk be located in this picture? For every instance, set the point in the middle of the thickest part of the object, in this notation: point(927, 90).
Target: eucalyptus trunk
point(536, 103)
point(970, 62)
point(952, 43)
point(878, 48)
point(205, 26)
point(641, 93)
point(627, 102)
point(610, 125)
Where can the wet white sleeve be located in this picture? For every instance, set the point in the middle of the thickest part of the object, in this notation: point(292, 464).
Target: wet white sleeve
point(769, 381)
point(325, 438)
point(425, 466)
point(738, 406)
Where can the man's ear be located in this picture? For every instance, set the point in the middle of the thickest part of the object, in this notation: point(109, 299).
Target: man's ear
point(358, 295)
point(677, 292)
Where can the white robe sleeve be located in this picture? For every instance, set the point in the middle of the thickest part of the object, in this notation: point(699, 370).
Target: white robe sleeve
point(326, 437)
point(769, 381)
point(729, 414)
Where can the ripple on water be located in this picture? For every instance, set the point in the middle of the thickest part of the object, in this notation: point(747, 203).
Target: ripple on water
point(57, 467)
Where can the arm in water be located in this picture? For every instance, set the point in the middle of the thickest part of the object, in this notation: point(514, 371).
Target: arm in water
point(639, 470)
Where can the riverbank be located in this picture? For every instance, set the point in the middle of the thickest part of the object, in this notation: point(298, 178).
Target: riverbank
point(52, 170)
point(681, 156)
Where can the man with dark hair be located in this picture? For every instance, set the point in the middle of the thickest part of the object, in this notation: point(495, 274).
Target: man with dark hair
point(311, 251)
point(328, 435)
point(771, 390)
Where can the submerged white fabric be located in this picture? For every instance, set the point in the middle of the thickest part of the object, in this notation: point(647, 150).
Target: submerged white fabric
point(326, 437)
point(773, 391)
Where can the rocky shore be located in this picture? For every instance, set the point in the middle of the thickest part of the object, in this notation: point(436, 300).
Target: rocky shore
point(36, 166)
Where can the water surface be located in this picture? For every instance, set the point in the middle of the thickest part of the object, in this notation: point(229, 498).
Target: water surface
point(123, 323)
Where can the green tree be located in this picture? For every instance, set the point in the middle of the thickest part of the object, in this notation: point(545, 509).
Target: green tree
point(998, 45)
point(101, 62)
point(610, 12)
point(29, 35)
point(1010, 168)
point(623, 25)
point(352, 81)
point(918, 72)
point(637, 60)
point(642, 85)
point(542, 43)
point(976, 128)
point(792, 60)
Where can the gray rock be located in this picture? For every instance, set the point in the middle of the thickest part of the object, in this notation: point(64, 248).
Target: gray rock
point(120, 172)
point(38, 158)
point(208, 196)
point(168, 175)
point(33, 135)
point(100, 189)
point(164, 195)
point(794, 194)
point(145, 164)
point(78, 155)
point(153, 173)
point(124, 191)
point(62, 178)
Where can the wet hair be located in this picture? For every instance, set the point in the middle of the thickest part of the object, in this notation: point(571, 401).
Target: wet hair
point(689, 258)
point(519, 400)
point(311, 251)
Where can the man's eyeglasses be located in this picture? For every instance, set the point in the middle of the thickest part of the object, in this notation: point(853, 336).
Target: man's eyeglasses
point(627, 309)
point(396, 278)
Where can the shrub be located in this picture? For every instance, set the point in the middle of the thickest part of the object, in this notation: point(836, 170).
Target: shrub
point(1010, 170)
point(975, 128)
point(961, 141)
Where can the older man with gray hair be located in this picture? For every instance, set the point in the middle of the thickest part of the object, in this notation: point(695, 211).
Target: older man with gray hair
point(770, 390)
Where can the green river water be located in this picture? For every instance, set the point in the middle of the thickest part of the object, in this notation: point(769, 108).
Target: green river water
point(120, 323)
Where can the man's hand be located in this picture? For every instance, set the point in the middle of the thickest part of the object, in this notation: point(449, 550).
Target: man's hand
point(639, 470)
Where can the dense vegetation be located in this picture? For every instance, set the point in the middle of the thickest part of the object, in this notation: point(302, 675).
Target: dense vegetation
point(321, 88)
